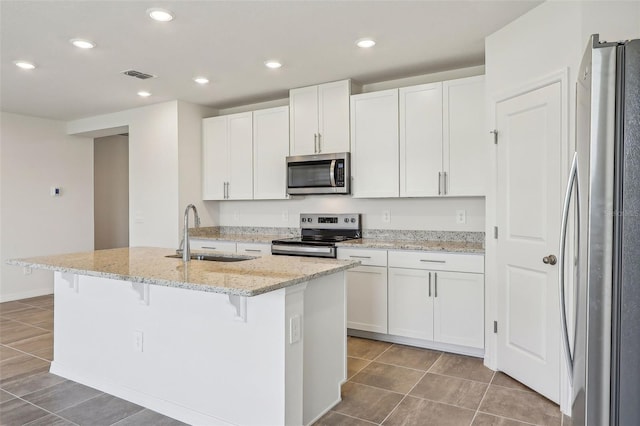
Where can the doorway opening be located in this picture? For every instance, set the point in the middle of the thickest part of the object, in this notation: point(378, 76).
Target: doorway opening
point(111, 191)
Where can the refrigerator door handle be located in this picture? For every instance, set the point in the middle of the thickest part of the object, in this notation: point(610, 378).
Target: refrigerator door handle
point(573, 182)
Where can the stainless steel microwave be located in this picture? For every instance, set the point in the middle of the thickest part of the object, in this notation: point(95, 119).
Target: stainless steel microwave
point(319, 174)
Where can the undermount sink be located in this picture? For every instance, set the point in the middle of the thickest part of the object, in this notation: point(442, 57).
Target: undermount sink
point(213, 257)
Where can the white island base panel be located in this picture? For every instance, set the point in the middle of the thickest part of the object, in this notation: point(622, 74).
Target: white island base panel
point(205, 358)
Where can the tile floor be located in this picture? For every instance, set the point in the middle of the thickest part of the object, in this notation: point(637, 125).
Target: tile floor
point(388, 384)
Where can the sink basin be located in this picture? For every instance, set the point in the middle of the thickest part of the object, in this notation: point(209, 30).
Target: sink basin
point(213, 257)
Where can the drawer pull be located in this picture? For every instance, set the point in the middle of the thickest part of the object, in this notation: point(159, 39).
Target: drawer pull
point(360, 257)
point(254, 250)
point(365, 272)
point(209, 248)
point(433, 261)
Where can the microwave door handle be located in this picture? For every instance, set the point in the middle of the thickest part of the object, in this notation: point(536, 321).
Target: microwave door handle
point(332, 173)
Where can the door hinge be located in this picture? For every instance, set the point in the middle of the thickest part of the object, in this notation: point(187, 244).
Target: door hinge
point(495, 232)
point(495, 135)
point(495, 327)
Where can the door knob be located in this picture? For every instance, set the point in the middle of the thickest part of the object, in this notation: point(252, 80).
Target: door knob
point(550, 260)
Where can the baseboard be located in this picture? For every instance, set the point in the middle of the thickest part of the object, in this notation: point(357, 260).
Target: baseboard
point(26, 294)
point(167, 408)
point(324, 412)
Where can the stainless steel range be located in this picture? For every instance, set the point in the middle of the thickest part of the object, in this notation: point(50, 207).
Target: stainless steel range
point(319, 235)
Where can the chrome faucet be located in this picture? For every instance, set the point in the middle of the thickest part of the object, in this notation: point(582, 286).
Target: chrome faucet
point(186, 248)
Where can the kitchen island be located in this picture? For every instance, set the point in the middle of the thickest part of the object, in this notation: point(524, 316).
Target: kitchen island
point(252, 342)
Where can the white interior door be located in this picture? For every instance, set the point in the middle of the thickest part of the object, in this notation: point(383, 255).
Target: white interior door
point(528, 198)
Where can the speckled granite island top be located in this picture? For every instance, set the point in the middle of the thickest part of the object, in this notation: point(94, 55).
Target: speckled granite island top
point(149, 265)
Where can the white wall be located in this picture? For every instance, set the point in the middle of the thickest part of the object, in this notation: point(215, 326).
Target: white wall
point(154, 165)
point(111, 192)
point(36, 154)
point(437, 214)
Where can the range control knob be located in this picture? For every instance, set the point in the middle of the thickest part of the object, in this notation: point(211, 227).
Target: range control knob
point(304, 219)
point(310, 220)
point(353, 220)
point(346, 220)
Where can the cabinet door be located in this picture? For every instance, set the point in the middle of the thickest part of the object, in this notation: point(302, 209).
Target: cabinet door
point(374, 144)
point(270, 148)
point(421, 140)
point(212, 245)
point(459, 308)
point(465, 135)
point(215, 158)
point(240, 170)
point(333, 116)
point(367, 298)
point(303, 120)
point(410, 305)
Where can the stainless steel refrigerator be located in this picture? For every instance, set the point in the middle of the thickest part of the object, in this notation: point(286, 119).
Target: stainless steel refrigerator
point(601, 329)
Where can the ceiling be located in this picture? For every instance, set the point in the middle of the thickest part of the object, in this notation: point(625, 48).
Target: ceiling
point(228, 42)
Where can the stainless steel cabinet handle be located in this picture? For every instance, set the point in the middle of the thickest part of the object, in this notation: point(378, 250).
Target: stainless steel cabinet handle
point(445, 189)
point(360, 257)
point(429, 284)
point(319, 143)
point(549, 260)
point(573, 181)
point(210, 248)
point(315, 143)
point(439, 183)
point(364, 272)
point(433, 261)
point(254, 250)
point(436, 283)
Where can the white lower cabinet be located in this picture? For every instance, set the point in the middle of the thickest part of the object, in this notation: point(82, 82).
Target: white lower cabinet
point(366, 290)
point(437, 296)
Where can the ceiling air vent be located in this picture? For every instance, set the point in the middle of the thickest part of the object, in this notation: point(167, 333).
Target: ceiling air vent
point(138, 74)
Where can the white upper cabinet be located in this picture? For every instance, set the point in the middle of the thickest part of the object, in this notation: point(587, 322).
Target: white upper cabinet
point(374, 144)
point(442, 139)
point(420, 140)
point(270, 148)
point(227, 151)
point(319, 118)
point(465, 150)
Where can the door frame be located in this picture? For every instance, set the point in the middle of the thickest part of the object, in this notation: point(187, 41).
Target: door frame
point(567, 134)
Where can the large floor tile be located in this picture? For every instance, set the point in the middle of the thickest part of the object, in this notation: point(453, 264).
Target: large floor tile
point(46, 353)
point(501, 379)
point(38, 300)
point(50, 420)
point(31, 315)
point(9, 307)
point(5, 396)
point(17, 412)
point(61, 396)
point(406, 356)
point(33, 383)
point(419, 412)
point(19, 332)
point(367, 403)
point(47, 325)
point(365, 348)
point(7, 353)
point(483, 419)
point(336, 419)
point(103, 410)
point(21, 366)
point(450, 390)
point(31, 344)
point(389, 377)
point(354, 365)
point(148, 417)
point(464, 367)
point(520, 405)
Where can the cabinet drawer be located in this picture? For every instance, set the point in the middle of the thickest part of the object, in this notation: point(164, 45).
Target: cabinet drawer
point(214, 245)
point(254, 248)
point(437, 261)
point(367, 257)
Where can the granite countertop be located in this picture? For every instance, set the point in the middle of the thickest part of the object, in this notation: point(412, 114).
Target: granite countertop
point(214, 234)
point(149, 265)
point(425, 245)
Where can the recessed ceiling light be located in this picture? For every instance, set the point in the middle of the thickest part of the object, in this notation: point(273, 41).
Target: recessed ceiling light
point(144, 94)
point(162, 15)
point(24, 65)
point(273, 64)
point(82, 44)
point(201, 80)
point(365, 43)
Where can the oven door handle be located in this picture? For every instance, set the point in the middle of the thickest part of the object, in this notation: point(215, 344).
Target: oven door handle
point(292, 248)
point(332, 173)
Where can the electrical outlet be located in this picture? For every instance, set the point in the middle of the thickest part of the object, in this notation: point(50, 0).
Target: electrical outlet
point(26, 270)
point(386, 216)
point(461, 216)
point(285, 216)
point(294, 329)
point(138, 338)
